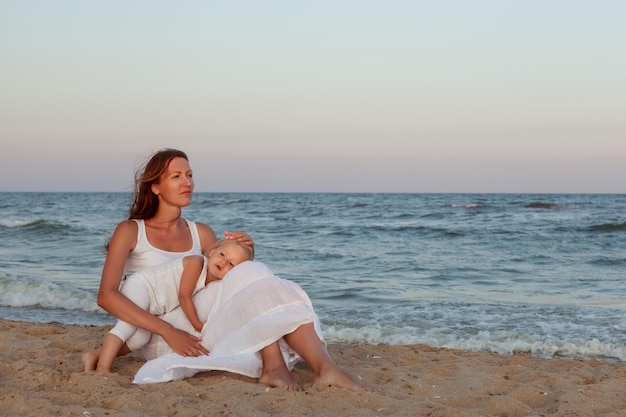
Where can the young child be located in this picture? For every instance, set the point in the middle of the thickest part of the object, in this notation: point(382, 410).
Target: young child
point(160, 290)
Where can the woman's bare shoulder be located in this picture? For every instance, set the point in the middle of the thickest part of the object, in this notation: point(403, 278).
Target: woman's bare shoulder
point(126, 226)
point(126, 230)
point(207, 235)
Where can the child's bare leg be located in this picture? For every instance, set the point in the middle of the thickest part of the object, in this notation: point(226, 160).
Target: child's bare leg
point(307, 344)
point(112, 347)
point(90, 359)
point(275, 372)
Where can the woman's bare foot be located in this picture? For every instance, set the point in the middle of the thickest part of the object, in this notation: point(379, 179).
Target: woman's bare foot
point(90, 360)
point(279, 378)
point(335, 376)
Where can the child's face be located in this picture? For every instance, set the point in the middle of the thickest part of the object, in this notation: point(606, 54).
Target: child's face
point(224, 258)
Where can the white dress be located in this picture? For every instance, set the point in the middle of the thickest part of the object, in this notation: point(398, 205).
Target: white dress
point(247, 310)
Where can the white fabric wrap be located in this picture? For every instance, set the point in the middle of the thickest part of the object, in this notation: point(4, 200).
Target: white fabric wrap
point(247, 310)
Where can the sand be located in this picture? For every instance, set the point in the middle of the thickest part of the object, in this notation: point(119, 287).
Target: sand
point(42, 375)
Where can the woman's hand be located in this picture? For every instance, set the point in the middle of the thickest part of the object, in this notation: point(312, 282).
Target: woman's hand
point(242, 237)
point(184, 343)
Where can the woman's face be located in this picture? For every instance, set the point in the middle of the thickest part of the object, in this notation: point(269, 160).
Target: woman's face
point(176, 184)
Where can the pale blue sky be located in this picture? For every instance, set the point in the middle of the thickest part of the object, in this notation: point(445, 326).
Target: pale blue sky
point(348, 96)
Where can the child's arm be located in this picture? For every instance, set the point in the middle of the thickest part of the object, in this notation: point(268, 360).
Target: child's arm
point(192, 268)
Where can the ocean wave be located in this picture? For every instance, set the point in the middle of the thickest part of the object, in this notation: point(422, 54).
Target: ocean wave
point(608, 262)
point(502, 343)
point(468, 206)
point(47, 295)
point(29, 229)
point(214, 201)
point(541, 205)
point(608, 227)
point(539, 330)
point(16, 223)
point(417, 229)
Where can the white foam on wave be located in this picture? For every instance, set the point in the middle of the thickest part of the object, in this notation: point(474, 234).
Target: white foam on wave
point(11, 223)
point(46, 295)
point(543, 331)
point(467, 206)
point(504, 343)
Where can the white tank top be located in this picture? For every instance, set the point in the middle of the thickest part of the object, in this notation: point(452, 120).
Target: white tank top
point(144, 255)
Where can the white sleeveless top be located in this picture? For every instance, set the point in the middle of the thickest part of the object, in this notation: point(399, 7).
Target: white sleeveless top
point(144, 255)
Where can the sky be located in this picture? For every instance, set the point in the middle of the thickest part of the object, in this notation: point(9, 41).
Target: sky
point(326, 96)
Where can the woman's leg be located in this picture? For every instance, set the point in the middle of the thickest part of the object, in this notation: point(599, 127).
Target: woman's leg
point(307, 344)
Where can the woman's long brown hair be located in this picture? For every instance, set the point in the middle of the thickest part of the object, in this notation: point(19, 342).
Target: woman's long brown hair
point(145, 202)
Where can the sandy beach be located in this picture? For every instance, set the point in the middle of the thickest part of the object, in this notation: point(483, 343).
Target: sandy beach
point(42, 376)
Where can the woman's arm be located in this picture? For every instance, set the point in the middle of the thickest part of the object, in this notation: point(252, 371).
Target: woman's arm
point(115, 303)
point(192, 268)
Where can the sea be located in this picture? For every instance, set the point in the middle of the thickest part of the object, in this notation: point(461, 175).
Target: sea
point(541, 274)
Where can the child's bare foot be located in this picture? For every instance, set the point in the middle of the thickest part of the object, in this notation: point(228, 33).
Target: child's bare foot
point(279, 378)
point(90, 360)
point(335, 376)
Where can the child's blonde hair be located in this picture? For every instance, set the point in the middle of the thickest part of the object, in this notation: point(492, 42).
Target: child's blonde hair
point(221, 242)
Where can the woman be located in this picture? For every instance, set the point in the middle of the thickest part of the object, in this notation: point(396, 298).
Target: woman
point(156, 233)
point(163, 288)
